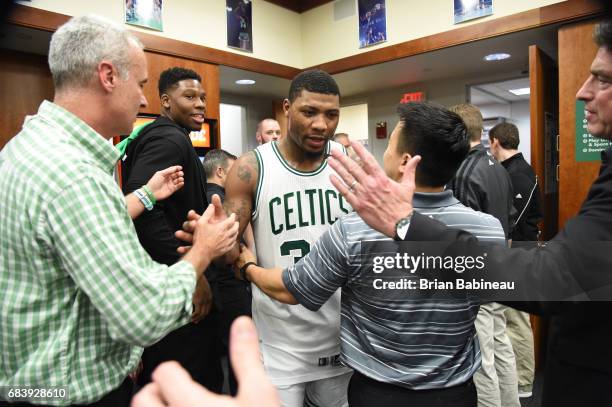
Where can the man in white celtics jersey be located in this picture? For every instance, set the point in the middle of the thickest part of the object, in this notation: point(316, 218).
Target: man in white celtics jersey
point(283, 189)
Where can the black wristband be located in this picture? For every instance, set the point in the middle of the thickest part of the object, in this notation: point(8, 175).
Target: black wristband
point(243, 269)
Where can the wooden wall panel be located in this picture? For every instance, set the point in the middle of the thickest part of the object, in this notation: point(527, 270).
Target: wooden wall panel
point(576, 52)
point(157, 63)
point(25, 81)
point(543, 114)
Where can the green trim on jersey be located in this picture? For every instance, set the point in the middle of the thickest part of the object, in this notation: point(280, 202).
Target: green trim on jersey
point(298, 172)
point(259, 182)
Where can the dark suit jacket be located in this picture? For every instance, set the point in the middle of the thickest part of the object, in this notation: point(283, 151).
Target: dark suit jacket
point(579, 360)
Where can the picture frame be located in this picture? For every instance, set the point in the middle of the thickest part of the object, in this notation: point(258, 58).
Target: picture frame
point(144, 13)
point(372, 22)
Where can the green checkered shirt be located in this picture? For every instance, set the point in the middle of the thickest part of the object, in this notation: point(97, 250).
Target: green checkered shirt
point(79, 296)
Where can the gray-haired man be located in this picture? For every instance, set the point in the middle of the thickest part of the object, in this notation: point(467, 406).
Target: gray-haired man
point(80, 295)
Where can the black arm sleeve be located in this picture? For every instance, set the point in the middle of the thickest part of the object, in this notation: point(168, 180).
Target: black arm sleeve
point(576, 265)
point(154, 231)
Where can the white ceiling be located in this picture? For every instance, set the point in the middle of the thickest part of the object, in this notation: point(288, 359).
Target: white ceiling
point(458, 61)
point(498, 92)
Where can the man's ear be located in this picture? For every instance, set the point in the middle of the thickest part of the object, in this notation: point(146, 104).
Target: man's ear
point(404, 162)
point(107, 75)
point(219, 172)
point(165, 100)
point(286, 106)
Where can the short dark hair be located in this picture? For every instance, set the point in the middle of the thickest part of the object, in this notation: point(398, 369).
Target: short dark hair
point(170, 77)
point(507, 134)
point(603, 34)
point(438, 135)
point(313, 80)
point(216, 158)
point(472, 117)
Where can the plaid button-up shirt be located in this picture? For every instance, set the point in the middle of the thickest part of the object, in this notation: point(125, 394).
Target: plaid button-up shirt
point(79, 296)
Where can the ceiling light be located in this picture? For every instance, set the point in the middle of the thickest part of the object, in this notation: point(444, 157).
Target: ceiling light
point(520, 91)
point(497, 57)
point(245, 82)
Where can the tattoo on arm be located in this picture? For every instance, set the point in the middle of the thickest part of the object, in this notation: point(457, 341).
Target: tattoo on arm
point(246, 167)
point(244, 173)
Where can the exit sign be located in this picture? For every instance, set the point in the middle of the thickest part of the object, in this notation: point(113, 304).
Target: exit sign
point(413, 97)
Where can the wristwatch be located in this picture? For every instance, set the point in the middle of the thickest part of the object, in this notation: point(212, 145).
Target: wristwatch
point(401, 228)
point(243, 271)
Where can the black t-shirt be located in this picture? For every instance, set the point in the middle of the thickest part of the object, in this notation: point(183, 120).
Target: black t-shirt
point(160, 145)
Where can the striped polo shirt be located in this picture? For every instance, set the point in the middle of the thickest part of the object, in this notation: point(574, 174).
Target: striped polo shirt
point(395, 336)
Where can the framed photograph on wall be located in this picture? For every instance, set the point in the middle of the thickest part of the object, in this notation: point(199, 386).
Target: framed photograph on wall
point(239, 24)
point(372, 22)
point(470, 9)
point(144, 13)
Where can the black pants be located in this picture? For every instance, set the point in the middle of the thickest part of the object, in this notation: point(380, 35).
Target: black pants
point(233, 302)
point(120, 397)
point(365, 392)
point(194, 347)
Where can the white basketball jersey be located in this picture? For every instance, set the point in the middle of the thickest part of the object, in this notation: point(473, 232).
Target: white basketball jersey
point(292, 209)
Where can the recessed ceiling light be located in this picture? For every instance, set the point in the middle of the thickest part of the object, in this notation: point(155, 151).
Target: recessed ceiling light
point(245, 82)
point(497, 57)
point(520, 91)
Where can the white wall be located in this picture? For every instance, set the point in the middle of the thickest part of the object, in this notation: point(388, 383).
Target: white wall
point(233, 125)
point(324, 39)
point(354, 121)
point(257, 109)
point(276, 30)
point(518, 114)
point(289, 38)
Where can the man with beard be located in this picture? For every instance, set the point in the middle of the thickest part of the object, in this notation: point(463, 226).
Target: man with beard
point(283, 189)
point(576, 262)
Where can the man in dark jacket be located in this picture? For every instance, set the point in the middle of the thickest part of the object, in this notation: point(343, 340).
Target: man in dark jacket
point(504, 139)
point(231, 296)
point(482, 184)
point(579, 360)
point(160, 144)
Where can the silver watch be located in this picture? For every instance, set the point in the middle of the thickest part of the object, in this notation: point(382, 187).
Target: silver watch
point(401, 227)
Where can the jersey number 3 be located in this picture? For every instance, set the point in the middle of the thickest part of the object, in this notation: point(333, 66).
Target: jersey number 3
point(302, 245)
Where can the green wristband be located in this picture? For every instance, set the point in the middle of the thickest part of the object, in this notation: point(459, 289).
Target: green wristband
point(149, 194)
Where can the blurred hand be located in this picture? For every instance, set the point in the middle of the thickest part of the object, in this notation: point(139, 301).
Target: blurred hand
point(189, 225)
point(220, 214)
point(172, 386)
point(380, 201)
point(212, 237)
point(166, 182)
point(245, 257)
point(202, 300)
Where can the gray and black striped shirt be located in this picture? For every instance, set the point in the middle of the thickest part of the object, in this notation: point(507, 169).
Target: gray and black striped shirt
point(392, 335)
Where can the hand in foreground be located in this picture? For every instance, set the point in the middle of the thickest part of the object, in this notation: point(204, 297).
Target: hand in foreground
point(215, 239)
point(202, 300)
point(379, 200)
point(245, 257)
point(166, 182)
point(172, 386)
point(186, 234)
